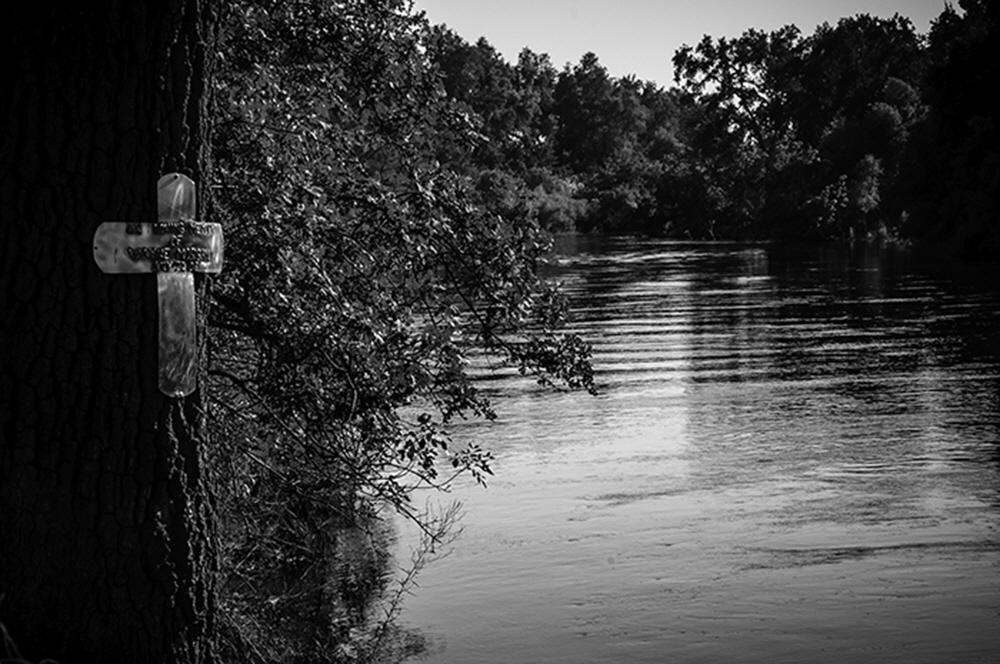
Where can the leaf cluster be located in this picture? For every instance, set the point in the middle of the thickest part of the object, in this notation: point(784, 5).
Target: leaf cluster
point(368, 269)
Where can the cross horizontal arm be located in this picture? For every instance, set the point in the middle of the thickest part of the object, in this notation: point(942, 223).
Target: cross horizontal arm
point(177, 246)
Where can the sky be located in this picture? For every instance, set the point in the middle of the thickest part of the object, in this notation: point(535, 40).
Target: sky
point(639, 37)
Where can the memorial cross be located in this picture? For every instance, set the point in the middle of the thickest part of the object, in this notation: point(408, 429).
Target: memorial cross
point(175, 247)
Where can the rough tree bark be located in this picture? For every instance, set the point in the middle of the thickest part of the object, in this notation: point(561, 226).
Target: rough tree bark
point(106, 541)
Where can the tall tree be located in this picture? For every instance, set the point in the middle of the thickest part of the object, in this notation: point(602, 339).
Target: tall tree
point(846, 67)
point(585, 105)
point(106, 543)
point(955, 174)
point(744, 135)
point(856, 101)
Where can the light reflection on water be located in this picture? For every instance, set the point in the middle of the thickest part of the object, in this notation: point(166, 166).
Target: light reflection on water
point(794, 455)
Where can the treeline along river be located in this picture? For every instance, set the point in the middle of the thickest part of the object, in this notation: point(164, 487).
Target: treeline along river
point(794, 456)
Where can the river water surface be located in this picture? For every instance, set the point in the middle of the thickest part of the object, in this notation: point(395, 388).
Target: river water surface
point(794, 457)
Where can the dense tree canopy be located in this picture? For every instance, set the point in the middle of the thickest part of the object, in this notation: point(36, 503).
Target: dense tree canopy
point(769, 135)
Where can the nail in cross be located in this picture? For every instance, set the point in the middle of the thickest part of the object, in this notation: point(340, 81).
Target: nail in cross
point(175, 247)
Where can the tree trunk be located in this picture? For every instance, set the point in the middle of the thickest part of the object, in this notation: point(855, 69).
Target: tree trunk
point(106, 533)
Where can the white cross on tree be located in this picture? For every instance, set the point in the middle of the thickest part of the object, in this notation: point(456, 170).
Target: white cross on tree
point(175, 247)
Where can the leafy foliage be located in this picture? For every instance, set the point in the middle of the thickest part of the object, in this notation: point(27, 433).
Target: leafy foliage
point(366, 266)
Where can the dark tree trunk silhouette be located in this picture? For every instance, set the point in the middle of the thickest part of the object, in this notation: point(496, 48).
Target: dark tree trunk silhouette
point(106, 540)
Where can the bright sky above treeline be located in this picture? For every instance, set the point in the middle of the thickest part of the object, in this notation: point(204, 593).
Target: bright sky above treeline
point(639, 37)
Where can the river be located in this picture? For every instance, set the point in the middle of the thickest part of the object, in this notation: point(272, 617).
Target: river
point(794, 456)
